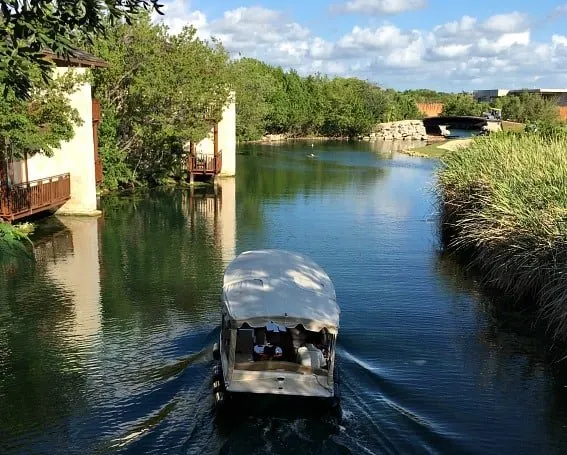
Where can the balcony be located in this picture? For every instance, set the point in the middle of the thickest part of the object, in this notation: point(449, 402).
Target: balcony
point(205, 164)
point(28, 198)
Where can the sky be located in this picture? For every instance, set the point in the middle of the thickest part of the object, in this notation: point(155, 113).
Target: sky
point(402, 44)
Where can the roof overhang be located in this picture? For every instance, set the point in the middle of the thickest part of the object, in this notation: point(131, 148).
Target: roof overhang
point(280, 286)
point(77, 58)
point(287, 321)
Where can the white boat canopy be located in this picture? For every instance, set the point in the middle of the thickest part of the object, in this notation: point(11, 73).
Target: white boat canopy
point(280, 286)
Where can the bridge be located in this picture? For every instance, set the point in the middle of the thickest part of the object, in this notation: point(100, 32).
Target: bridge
point(457, 122)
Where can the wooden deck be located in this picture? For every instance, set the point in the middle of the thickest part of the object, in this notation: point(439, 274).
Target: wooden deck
point(29, 198)
point(203, 164)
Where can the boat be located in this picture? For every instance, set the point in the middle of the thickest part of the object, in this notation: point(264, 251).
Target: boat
point(279, 328)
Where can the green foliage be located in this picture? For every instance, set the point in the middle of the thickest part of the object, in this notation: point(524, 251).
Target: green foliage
point(463, 104)
point(505, 200)
point(158, 93)
point(42, 121)
point(271, 100)
point(528, 107)
point(28, 27)
point(254, 84)
point(547, 129)
point(401, 106)
point(428, 96)
point(354, 107)
point(13, 239)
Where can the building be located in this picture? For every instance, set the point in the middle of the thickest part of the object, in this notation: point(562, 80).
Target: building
point(490, 95)
point(216, 154)
point(66, 181)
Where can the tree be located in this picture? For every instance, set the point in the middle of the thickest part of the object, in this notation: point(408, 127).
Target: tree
point(355, 106)
point(400, 106)
point(41, 122)
point(28, 27)
point(463, 104)
point(158, 93)
point(254, 85)
point(525, 107)
point(428, 96)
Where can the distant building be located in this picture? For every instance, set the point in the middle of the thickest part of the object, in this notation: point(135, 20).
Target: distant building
point(490, 95)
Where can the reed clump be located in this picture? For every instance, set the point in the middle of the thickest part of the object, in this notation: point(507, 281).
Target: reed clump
point(503, 202)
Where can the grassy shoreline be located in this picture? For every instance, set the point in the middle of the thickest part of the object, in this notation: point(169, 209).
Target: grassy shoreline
point(503, 205)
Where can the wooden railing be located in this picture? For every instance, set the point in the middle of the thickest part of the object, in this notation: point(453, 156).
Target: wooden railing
point(25, 199)
point(205, 164)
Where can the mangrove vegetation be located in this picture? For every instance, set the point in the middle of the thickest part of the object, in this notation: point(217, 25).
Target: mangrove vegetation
point(503, 202)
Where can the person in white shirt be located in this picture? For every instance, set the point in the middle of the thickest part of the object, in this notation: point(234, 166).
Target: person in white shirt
point(266, 352)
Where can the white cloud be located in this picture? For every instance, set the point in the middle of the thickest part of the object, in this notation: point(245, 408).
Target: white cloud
point(504, 42)
point(385, 37)
point(451, 51)
point(465, 25)
point(379, 7)
point(506, 23)
point(460, 54)
point(559, 40)
point(407, 57)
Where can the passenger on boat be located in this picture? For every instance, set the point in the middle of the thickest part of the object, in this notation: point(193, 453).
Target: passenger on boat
point(312, 356)
point(267, 352)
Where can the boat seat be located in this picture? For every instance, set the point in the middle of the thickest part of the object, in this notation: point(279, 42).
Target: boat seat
point(245, 342)
point(303, 357)
point(311, 356)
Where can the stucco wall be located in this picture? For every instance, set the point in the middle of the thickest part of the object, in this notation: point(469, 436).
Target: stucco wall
point(75, 156)
point(227, 139)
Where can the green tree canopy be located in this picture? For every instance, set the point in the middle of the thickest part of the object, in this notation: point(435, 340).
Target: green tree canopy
point(528, 107)
point(42, 121)
point(273, 101)
point(254, 85)
point(28, 27)
point(463, 104)
point(159, 92)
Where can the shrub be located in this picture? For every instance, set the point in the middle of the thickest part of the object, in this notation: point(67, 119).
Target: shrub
point(504, 200)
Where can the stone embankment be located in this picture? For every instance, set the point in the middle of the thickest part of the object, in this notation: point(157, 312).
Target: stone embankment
point(274, 138)
point(404, 130)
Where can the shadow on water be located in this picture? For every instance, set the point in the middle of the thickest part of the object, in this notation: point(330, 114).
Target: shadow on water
point(517, 342)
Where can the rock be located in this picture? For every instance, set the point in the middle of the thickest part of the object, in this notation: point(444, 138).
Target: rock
point(402, 130)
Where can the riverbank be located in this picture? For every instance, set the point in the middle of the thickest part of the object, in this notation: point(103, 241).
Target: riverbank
point(503, 205)
point(14, 237)
point(438, 148)
point(279, 138)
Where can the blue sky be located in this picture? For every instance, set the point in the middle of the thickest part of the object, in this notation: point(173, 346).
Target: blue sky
point(443, 45)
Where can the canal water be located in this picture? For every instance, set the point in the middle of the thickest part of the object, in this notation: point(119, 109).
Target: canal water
point(105, 340)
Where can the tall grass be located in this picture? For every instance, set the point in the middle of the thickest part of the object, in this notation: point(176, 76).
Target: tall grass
point(503, 201)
